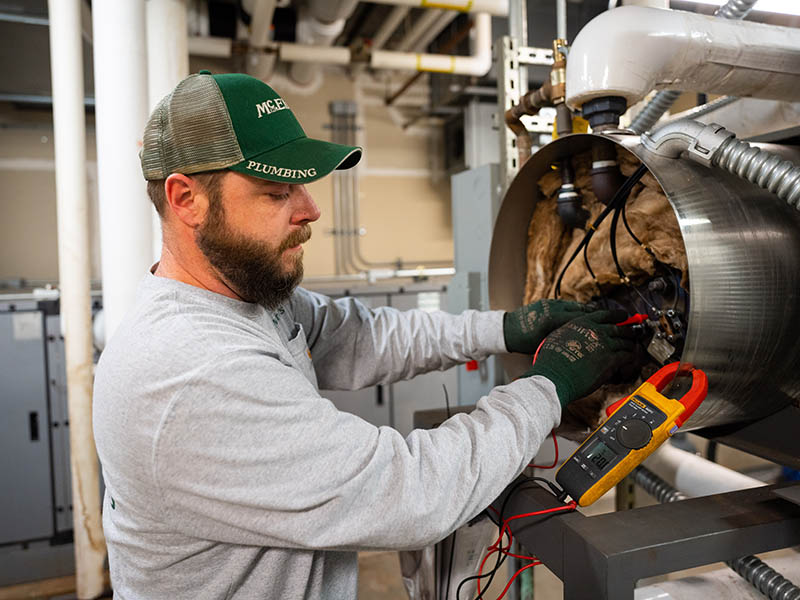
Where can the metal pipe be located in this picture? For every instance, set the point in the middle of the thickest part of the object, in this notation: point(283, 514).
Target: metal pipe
point(703, 109)
point(120, 79)
point(167, 64)
point(680, 50)
point(69, 132)
point(440, 25)
point(388, 26)
point(478, 64)
point(561, 19)
point(419, 29)
point(497, 8)
point(752, 569)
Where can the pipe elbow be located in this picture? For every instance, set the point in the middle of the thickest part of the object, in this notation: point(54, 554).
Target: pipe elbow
point(625, 35)
point(699, 140)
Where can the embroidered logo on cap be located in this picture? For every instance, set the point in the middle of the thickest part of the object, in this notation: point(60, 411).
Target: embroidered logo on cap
point(270, 106)
point(258, 167)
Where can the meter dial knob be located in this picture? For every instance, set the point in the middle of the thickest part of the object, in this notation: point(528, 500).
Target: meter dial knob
point(634, 434)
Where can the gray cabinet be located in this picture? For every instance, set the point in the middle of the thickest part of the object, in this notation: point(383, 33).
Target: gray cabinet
point(26, 501)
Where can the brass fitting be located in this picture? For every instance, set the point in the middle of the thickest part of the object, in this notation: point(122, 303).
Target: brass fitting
point(558, 73)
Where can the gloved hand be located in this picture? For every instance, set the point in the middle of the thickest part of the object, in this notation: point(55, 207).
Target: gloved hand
point(583, 354)
point(525, 328)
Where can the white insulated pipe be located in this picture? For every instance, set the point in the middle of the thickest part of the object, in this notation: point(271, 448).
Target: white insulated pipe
point(329, 55)
point(632, 50)
point(388, 26)
point(120, 79)
point(261, 65)
point(478, 64)
point(311, 32)
point(167, 64)
point(69, 127)
point(440, 25)
point(694, 475)
point(497, 8)
point(261, 22)
point(213, 47)
point(419, 29)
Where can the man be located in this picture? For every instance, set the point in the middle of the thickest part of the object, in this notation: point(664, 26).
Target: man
point(227, 474)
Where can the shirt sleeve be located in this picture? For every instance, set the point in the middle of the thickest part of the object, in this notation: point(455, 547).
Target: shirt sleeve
point(249, 453)
point(354, 346)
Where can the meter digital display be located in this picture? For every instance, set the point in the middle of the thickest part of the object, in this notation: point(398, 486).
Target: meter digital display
point(601, 455)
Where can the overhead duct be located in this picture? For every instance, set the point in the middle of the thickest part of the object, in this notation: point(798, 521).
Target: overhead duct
point(680, 50)
point(742, 245)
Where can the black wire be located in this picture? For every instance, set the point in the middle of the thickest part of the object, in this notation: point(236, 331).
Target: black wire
point(501, 556)
point(630, 231)
point(613, 241)
point(620, 196)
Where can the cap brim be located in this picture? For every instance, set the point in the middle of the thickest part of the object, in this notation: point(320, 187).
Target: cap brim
point(300, 161)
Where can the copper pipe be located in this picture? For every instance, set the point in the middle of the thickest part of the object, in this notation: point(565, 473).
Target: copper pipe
point(529, 104)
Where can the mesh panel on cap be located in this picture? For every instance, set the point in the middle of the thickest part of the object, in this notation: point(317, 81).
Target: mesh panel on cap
point(189, 131)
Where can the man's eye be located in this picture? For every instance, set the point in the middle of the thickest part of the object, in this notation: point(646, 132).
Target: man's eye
point(279, 196)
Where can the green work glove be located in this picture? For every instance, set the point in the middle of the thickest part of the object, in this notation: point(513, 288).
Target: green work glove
point(583, 354)
point(525, 328)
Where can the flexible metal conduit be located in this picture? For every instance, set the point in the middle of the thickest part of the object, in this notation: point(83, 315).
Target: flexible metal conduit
point(765, 169)
point(703, 109)
point(712, 144)
point(752, 569)
point(650, 114)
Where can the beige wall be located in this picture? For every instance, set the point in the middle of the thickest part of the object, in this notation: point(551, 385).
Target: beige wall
point(406, 215)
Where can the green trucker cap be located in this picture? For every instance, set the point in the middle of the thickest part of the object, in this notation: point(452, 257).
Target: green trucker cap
point(234, 121)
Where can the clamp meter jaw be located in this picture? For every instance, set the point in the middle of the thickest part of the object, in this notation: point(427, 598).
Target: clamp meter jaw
point(636, 426)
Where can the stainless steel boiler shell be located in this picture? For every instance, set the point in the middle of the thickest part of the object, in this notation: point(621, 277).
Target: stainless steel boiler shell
point(743, 251)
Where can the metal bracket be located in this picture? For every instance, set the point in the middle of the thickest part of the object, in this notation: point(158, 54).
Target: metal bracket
point(602, 556)
point(529, 55)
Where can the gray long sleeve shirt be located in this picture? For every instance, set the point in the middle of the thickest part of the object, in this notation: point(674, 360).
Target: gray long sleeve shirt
point(229, 476)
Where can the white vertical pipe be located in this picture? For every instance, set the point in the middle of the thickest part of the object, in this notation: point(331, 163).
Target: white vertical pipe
point(167, 64)
point(66, 67)
point(120, 79)
point(561, 19)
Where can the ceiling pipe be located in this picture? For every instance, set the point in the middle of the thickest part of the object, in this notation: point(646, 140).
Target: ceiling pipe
point(388, 27)
point(440, 25)
point(72, 199)
point(496, 8)
point(261, 64)
point(314, 32)
point(419, 29)
point(478, 64)
point(680, 50)
point(213, 47)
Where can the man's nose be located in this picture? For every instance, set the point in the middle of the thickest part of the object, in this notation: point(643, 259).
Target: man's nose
point(305, 210)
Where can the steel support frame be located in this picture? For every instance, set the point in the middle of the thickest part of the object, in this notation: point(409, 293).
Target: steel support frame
point(603, 556)
point(512, 80)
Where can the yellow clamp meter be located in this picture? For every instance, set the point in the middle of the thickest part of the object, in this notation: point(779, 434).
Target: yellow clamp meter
point(635, 427)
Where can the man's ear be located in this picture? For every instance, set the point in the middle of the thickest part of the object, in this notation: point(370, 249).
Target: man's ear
point(186, 199)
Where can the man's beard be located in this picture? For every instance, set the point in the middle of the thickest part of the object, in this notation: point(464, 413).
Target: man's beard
point(253, 269)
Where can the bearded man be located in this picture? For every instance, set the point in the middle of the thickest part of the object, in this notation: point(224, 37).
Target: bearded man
point(227, 474)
